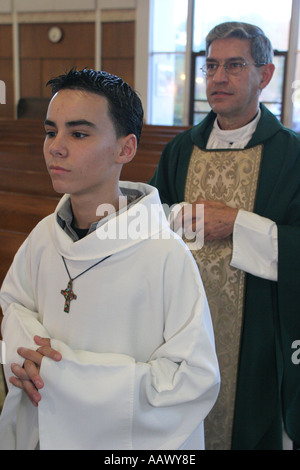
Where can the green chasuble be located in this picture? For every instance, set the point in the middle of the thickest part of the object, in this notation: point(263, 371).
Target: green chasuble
point(268, 381)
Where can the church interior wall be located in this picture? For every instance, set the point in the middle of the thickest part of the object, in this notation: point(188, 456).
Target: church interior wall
point(96, 34)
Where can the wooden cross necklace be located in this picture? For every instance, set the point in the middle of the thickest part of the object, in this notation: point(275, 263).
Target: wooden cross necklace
point(68, 292)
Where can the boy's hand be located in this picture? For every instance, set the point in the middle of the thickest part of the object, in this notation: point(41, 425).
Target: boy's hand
point(27, 378)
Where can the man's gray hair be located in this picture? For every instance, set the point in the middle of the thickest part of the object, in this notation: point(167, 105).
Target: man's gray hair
point(261, 47)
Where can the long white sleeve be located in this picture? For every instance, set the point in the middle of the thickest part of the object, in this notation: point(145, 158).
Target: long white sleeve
point(255, 245)
point(108, 401)
point(19, 418)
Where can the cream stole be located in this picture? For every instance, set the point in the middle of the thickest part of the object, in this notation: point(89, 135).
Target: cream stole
point(2, 388)
point(228, 176)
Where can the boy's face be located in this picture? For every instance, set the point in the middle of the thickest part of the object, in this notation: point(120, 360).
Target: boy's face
point(82, 153)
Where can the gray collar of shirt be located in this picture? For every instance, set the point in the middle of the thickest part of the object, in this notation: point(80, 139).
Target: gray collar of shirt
point(65, 213)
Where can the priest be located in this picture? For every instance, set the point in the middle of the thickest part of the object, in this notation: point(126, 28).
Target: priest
point(243, 166)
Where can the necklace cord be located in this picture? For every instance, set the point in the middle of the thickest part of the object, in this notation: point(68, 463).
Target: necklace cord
point(73, 279)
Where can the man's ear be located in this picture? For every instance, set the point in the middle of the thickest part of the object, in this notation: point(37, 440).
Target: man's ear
point(267, 72)
point(128, 150)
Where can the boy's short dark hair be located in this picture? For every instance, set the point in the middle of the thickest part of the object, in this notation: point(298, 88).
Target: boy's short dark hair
point(124, 105)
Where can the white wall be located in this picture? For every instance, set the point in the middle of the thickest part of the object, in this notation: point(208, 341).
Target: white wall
point(141, 52)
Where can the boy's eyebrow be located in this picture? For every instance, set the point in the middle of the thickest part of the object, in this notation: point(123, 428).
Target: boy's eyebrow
point(47, 122)
point(79, 122)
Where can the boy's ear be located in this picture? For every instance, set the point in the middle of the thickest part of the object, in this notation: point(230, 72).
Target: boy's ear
point(128, 150)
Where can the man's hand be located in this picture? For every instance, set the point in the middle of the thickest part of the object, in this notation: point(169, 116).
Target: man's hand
point(218, 220)
point(27, 378)
point(214, 223)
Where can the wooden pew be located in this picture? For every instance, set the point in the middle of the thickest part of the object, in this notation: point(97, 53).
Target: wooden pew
point(27, 148)
point(29, 182)
point(33, 161)
point(22, 167)
point(10, 243)
point(27, 129)
point(21, 212)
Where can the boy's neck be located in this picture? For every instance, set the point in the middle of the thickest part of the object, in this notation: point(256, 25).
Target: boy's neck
point(87, 210)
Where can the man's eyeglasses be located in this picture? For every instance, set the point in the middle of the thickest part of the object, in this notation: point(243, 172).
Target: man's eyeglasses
point(232, 68)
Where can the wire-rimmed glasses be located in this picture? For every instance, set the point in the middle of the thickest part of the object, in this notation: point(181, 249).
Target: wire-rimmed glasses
point(232, 68)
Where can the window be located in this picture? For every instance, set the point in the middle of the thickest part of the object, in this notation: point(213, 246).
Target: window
point(273, 16)
point(177, 44)
point(167, 61)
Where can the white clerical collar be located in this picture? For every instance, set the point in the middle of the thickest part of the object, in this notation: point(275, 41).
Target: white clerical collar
point(237, 138)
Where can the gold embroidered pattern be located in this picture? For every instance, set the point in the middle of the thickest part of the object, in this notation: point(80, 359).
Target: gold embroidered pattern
point(2, 388)
point(228, 176)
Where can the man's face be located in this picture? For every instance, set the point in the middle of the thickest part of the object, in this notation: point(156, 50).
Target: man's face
point(81, 148)
point(234, 97)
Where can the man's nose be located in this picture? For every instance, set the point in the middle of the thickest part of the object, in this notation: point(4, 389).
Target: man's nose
point(221, 75)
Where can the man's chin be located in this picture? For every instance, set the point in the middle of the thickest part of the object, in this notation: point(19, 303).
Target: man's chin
point(219, 107)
